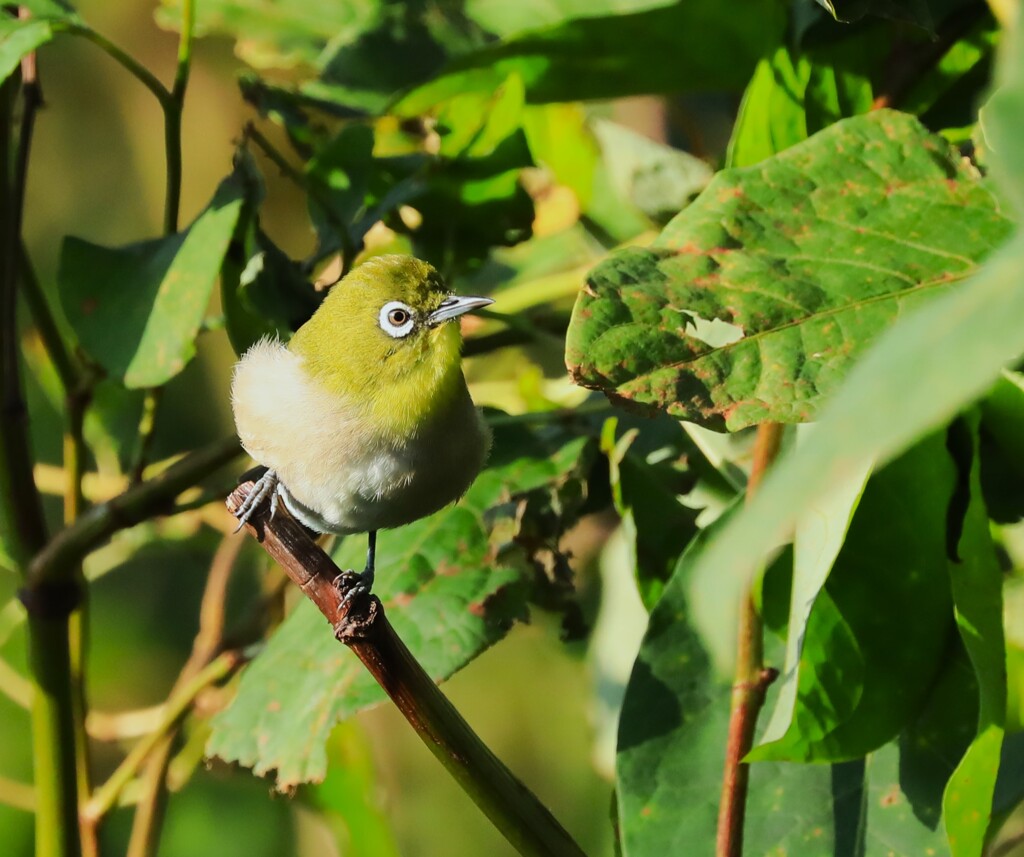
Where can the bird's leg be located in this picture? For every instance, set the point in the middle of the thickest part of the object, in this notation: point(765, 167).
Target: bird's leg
point(266, 485)
point(365, 579)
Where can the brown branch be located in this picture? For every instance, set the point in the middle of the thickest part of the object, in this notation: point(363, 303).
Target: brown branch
point(362, 625)
point(751, 681)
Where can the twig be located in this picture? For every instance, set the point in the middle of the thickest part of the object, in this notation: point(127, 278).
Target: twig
point(105, 797)
point(362, 626)
point(152, 800)
point(121, 725)
point(750, 684)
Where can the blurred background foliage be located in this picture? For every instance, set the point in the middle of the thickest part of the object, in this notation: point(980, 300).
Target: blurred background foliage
point(515, 146)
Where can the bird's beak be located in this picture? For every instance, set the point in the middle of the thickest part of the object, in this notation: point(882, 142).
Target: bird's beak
point(454, 306)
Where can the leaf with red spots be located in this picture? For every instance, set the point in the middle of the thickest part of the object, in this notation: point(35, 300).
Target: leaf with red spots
point(754, 301)
point(452, 584)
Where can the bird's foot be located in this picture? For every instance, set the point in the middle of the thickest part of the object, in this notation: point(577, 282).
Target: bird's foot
point(264, 487)
point(352, 585)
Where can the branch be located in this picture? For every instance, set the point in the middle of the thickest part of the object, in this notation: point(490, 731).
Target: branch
point(363, 627)
point(140, 502)
point(750, 684)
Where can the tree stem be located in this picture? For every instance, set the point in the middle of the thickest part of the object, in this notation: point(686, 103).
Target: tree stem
point(750, 683)
point(362, 625)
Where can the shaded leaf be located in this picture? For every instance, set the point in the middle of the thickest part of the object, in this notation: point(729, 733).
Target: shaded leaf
point(658, 527)
point(137, 309)
point(757, 298)
point(1001, 448)
point(818, 540)
point(915, 11)
point(861, 677)
point(978, 595)
point(452, 585)
point(611, 56)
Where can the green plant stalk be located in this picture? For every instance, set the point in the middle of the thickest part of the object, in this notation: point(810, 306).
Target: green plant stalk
point(362, 625)
point(53, 731)
point(125, 60)
point(53, 738)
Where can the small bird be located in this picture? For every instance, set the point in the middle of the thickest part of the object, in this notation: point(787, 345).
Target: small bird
point(363, 420)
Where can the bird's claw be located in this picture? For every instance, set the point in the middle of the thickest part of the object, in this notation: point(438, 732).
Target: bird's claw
point(353, 585)
point(266, 485)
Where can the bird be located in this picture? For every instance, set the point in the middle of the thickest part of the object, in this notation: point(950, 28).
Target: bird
point(363, 419)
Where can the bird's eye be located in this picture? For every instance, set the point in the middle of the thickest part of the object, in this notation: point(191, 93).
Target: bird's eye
point(396, 319)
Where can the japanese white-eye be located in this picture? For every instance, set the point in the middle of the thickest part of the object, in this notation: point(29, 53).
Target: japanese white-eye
point(363, 420)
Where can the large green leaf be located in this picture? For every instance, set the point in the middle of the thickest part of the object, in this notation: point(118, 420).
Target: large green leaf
point(671, 753)
point(506, 19)
point(861, 677)
point(915, 378)
point(137, 309)
point(452, 585)
point(756, 300)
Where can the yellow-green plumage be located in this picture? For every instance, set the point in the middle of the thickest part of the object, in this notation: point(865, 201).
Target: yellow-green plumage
point(365, 429)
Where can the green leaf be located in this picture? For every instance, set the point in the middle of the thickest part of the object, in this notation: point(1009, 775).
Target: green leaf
point(755, 301)
point(671, 750)
point(861, 677)
point(658, 527)
point(977, 584)
point(795, 94)
point(452, 585)
point(616, 55)
point(915, 378)
point(818, 540)
point(18, 37)
point(138, 309)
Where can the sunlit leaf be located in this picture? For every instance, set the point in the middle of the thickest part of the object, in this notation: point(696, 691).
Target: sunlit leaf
point(755, 301)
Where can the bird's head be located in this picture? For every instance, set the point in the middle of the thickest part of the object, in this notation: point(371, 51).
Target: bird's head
point(386, 328)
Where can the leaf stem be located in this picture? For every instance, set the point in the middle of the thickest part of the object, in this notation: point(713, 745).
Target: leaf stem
point(750, 683)
point(363, 627)
point(125, 60)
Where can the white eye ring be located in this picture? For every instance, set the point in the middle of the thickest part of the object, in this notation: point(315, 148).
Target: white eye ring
point(396, 319)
